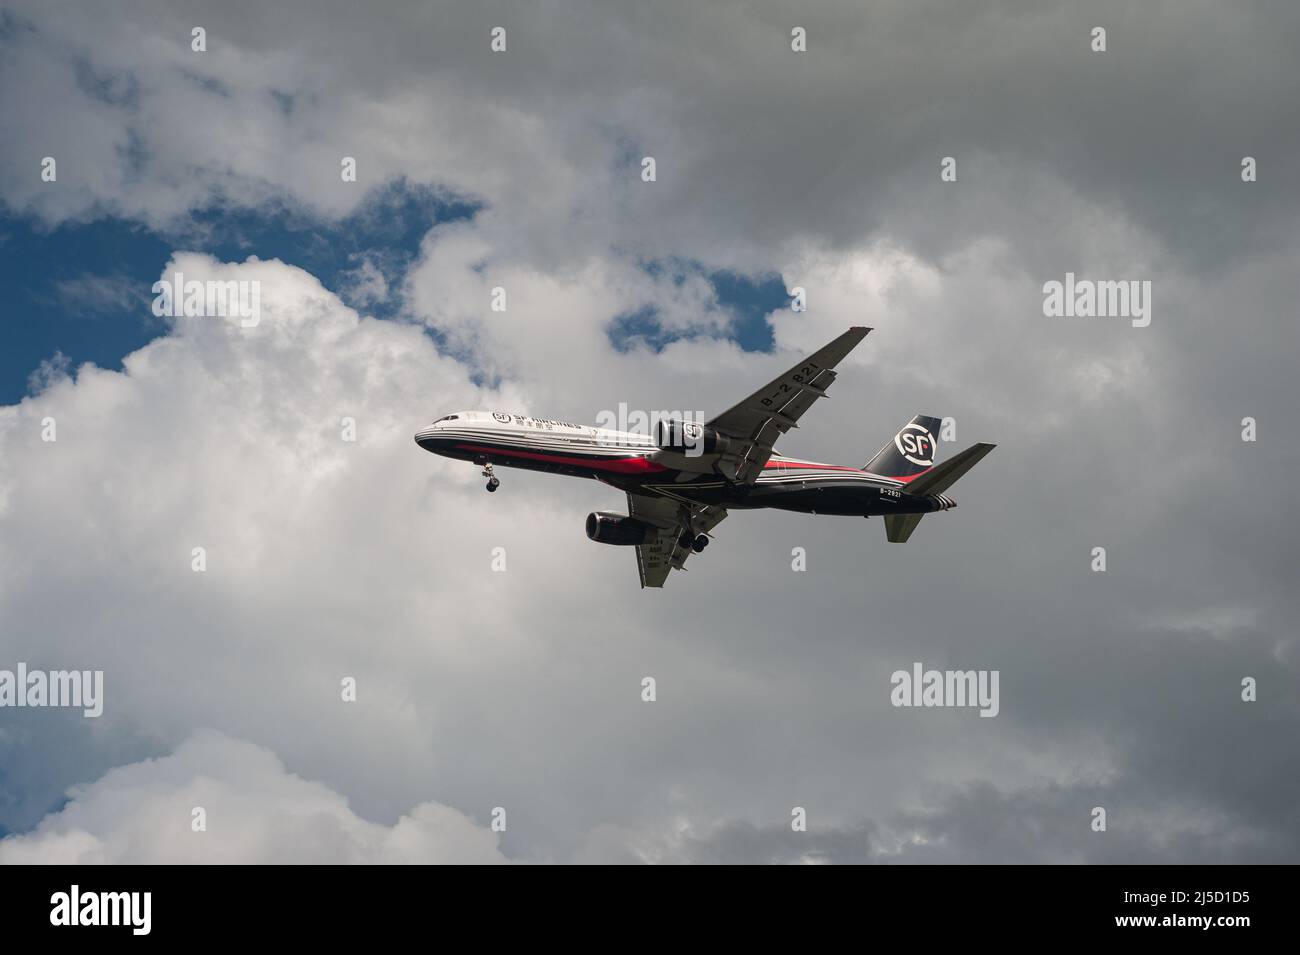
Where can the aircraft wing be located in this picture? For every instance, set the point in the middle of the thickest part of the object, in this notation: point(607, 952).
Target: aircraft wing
point(662, 550)
point(755, 424)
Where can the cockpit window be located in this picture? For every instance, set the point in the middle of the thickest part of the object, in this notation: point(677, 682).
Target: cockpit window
point(448, 417)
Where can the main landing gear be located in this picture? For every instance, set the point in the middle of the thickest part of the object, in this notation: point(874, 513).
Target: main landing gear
point(493, 481)
point(696, 544)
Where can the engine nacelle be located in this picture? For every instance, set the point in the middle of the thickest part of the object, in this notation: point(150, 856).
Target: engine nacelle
point(689, 438)
point(605, 527)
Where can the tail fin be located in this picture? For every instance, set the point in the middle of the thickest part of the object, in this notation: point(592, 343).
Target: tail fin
point(910, 453)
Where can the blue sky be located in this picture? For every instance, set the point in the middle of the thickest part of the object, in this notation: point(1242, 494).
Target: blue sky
point(82, 289)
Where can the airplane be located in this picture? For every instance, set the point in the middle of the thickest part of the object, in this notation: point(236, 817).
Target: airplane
point(682, 480)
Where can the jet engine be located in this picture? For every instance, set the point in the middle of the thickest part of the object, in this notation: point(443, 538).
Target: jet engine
point(605, 527)
point(689, 438)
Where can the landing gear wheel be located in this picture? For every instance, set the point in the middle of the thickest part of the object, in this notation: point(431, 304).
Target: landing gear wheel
point(700, 543)
point(493, 484)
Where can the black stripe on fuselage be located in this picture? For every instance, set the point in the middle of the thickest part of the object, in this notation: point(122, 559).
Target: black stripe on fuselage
point(821, 489)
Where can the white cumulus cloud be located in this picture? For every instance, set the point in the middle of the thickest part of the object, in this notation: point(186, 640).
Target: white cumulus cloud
point(253, 811)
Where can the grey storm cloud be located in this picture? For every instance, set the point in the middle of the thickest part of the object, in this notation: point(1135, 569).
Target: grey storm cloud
point(521, 690)
point(756, 145)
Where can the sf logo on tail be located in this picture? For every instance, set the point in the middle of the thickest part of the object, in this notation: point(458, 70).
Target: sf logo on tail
point(916, 444)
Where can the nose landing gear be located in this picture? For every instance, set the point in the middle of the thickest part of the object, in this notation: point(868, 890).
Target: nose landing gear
point(493, 481)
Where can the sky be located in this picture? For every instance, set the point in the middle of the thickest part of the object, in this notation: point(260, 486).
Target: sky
point(498, 656)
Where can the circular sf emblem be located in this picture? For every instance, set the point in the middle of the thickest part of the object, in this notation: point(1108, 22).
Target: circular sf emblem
point(503, 418)
point(916, 444)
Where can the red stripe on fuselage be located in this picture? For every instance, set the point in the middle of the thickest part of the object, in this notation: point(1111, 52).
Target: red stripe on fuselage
point(910, 478)
point(639, 464)
point(629, 465)
point(798, 465)
point(809, 465)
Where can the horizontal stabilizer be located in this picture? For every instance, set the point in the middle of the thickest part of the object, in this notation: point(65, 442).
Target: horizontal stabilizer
point(943, 476)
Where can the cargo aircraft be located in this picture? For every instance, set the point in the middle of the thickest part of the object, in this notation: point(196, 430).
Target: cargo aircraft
point(682, 480)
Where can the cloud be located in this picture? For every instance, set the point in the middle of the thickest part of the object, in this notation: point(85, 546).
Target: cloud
point(52, 369)
point(97, 294)
point(365, 284)
point(977, 824)
point(757, 146)
point(253, 812)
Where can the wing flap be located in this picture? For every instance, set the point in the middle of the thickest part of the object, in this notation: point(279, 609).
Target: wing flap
point(662, 551)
